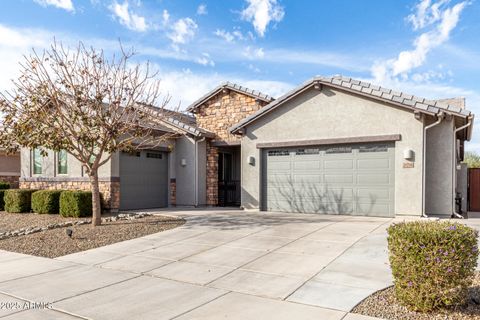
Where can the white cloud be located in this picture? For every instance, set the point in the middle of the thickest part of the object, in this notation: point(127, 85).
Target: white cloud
point(254, 68)
point(202, 9)
point(205, 60)
point(127, 18)
point(253, 53)
point(61, 4)
point(410, 59)
point(165, 17)
point(183, 30)
point(14, 43)
point(185, 86)
point(229, 36)
point(426, 13)
point(261, 13)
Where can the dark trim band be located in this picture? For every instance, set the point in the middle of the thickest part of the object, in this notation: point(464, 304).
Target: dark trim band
point(225, 143)
point(67, 179)
point(299, 143)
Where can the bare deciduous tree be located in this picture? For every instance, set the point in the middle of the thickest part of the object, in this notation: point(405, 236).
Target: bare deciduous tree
point(79, 101)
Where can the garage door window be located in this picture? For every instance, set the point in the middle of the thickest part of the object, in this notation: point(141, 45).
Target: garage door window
point(154, 155)
point(335, 150)
point(300, 152)
point(379, 148)
point(278, 153)
point(133, 154)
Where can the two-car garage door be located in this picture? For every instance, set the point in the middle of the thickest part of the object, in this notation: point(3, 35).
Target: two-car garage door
point(344, 179)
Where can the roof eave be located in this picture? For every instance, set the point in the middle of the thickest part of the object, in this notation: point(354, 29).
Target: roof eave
point(218, 89)
point(318, 80)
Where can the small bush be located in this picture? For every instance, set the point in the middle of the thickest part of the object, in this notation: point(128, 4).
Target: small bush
point(2, 202)
point(432, 262)
point(46, 201)
point(18, 200)
point(4, 185)
point(76, 204)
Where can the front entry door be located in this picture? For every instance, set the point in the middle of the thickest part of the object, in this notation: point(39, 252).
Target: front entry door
point(228, 187)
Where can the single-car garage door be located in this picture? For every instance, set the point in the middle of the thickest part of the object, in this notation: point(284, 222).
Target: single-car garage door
point(339, 179)
point(143, 180)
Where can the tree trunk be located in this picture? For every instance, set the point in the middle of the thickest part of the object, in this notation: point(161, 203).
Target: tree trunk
point(96, 207)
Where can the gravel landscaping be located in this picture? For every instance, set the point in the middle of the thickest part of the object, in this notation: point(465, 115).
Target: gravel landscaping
point(15, 221)
point(383, 304)
point(53, 243)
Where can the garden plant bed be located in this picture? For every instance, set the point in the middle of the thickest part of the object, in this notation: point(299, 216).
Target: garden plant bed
point(383, 304)
point(55, 242)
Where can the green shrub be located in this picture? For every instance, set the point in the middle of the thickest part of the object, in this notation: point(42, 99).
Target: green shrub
point(4, 185)
point(46, 201)
point(76, 204)
point(2, 202)
point(18, 200)
point(432, 262)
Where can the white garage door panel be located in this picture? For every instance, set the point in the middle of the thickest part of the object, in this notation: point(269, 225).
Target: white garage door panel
point(339, 178)
point(306, 165)
point(373, 163)
point(344, 179)
point(373, 178)
point(339, 164)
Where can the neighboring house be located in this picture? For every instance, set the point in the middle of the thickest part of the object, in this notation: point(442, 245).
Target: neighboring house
point(332, 145)
point(10, 168)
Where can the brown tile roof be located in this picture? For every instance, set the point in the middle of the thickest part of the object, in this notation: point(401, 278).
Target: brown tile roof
point(184, 122)
point(231, 86)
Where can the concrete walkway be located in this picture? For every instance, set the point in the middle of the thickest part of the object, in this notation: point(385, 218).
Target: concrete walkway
point(220, 264)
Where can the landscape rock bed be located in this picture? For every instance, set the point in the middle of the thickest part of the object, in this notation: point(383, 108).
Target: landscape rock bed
point(53, 241)
point(34, 229)
point(383, 304)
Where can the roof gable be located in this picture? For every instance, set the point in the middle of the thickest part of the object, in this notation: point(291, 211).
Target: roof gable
point(230, 86)
point(400, 99)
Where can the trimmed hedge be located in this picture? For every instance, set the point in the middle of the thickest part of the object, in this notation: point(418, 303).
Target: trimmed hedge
point(76, 204)
point(18, 200)
point(46, 201)
point(4, 185)
point(432, 262)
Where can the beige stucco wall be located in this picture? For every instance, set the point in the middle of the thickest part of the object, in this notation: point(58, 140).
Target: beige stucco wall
point(49, 166)
point(185, 175)
point(439, 175)
point(336, 114)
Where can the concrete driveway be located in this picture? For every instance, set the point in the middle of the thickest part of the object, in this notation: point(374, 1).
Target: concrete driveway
point(220, 264)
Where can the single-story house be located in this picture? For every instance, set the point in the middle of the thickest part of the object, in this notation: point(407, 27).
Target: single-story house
point(332, 145)
point(10, 168)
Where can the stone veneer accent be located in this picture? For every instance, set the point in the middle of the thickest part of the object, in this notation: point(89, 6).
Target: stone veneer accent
point(109, 187)
point(12, 180)
point(212, 175)
point(173, 192)
point(218, 115)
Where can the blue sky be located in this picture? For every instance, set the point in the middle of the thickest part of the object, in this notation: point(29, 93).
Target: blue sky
point(425, 47)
